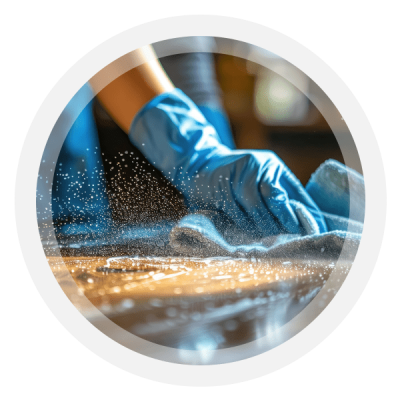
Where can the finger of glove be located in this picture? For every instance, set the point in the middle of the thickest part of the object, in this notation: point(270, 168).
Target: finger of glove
point(276, 197)
point(277, 201)
point(296, 191)
point(233, 185)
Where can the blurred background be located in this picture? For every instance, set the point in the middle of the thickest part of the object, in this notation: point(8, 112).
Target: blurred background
point(266, 103)
point(268, 112)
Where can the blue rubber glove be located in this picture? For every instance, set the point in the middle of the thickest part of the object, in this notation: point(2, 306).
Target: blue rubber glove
point(254, 188)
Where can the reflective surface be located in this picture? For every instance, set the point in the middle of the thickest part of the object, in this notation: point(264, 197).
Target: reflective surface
point(193, 303)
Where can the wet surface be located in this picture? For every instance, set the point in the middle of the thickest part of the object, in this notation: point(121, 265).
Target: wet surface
point(188, 303)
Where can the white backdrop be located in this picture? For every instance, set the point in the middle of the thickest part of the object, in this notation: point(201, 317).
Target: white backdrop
point(361, 326)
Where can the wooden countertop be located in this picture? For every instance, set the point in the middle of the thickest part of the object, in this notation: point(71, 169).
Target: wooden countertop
point(177, 301)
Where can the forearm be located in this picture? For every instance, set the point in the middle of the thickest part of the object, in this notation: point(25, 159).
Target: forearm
point(129, 92)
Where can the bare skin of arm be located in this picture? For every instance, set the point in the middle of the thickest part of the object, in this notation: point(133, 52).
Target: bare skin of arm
point(129, 92)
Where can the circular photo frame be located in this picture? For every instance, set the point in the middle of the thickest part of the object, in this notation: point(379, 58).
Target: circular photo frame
point(111, 298)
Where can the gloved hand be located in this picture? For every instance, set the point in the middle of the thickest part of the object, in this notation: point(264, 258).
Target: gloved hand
point(253, 188)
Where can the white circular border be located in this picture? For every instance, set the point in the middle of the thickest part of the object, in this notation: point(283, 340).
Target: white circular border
point(137, 363)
